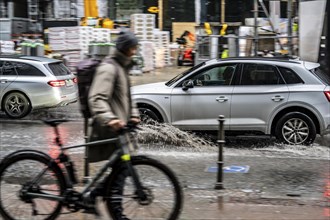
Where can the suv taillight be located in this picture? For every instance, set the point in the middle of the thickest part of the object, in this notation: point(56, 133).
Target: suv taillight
point(57, 83)
point(327, 94)
point(75, 80)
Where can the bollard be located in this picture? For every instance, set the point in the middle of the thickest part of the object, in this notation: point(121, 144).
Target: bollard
point(221, 143)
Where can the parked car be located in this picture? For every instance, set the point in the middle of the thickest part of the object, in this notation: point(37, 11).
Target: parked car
point(28, 83)
point(289, 99)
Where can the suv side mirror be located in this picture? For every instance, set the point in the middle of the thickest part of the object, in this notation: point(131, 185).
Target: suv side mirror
point(188, 84)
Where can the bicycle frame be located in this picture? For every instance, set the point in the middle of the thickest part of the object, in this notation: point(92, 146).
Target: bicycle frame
point(122, 153)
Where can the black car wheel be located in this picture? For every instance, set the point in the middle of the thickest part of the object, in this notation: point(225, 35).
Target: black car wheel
point(16, 105)
point(148, 116)
point(296, 128)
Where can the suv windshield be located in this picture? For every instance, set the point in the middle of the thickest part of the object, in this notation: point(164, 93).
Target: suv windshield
point(181, 75)
point(321, 75)
point(59, 69)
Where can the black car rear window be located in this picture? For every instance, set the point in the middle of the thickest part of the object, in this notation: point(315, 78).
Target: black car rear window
point(59, 69)
point(322, 75)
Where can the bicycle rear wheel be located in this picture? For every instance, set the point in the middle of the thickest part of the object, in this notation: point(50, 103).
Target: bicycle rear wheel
point(160, 185)
point(16, 175)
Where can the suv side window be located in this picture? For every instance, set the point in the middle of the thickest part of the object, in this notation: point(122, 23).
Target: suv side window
point(8, 69)
point(215, 76)
point(260, 74)
point(290, 76)
point(24, 69)
point(1, 63)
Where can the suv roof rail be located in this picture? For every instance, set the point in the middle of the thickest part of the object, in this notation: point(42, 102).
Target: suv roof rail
point(293, 59)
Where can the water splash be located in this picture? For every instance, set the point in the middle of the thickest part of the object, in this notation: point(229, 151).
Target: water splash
point(169, 137)
point(164, 137)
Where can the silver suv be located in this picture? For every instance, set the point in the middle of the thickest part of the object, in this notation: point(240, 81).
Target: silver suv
point(28, 83)
point(289, 99)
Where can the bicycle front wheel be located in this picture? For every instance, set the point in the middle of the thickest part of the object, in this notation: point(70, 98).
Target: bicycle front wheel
point(160, 185)
point(29, 173)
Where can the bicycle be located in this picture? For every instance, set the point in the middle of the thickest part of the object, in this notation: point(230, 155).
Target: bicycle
point(35, 186)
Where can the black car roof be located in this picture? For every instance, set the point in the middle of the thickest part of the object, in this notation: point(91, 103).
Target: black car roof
point(33, 58)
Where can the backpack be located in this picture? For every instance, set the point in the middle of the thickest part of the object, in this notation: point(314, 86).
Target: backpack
point(86, 70)
point(85, 74)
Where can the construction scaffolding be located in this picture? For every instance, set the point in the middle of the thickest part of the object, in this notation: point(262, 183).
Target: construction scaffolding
point(3, 10)
point(33, 10)
point(258, 37)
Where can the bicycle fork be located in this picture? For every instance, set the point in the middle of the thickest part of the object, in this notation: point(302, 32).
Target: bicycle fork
point(126, 158)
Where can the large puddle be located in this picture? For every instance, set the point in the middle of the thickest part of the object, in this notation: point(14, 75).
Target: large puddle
point(160, 138)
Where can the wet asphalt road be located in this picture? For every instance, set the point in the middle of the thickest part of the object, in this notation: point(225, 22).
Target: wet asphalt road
point(274, 172)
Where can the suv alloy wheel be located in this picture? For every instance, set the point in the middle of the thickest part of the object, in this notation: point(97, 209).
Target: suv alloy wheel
point(296, 128)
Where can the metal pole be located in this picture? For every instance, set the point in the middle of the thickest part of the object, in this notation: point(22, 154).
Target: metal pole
point(327, 25)
point(10, 9)
point(289, 14)
point(86, 162)
point(221, 142)
point(223, 9)
point(160, 14)
point(270, 22)
point(256, 40)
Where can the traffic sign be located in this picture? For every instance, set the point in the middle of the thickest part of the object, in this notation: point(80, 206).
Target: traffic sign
point(229, 169)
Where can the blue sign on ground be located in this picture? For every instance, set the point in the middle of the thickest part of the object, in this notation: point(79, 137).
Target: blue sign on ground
point(229, 169)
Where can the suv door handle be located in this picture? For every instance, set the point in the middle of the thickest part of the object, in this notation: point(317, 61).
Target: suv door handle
point(221, 99)
point(277, 98)
point(3, 81)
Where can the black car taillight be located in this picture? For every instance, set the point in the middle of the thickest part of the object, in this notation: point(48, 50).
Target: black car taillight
point(327, 94)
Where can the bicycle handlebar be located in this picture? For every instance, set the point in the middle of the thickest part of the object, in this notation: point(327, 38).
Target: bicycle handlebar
point(129, 127)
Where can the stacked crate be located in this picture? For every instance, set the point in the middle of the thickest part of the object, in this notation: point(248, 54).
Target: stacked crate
point(7, 47)
point(56, 38)
point(101, 35)
point(146, 50)
point(143, 25)
point(70, 38)
point(73, 42)
point(78, 38)
point(162, 48)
